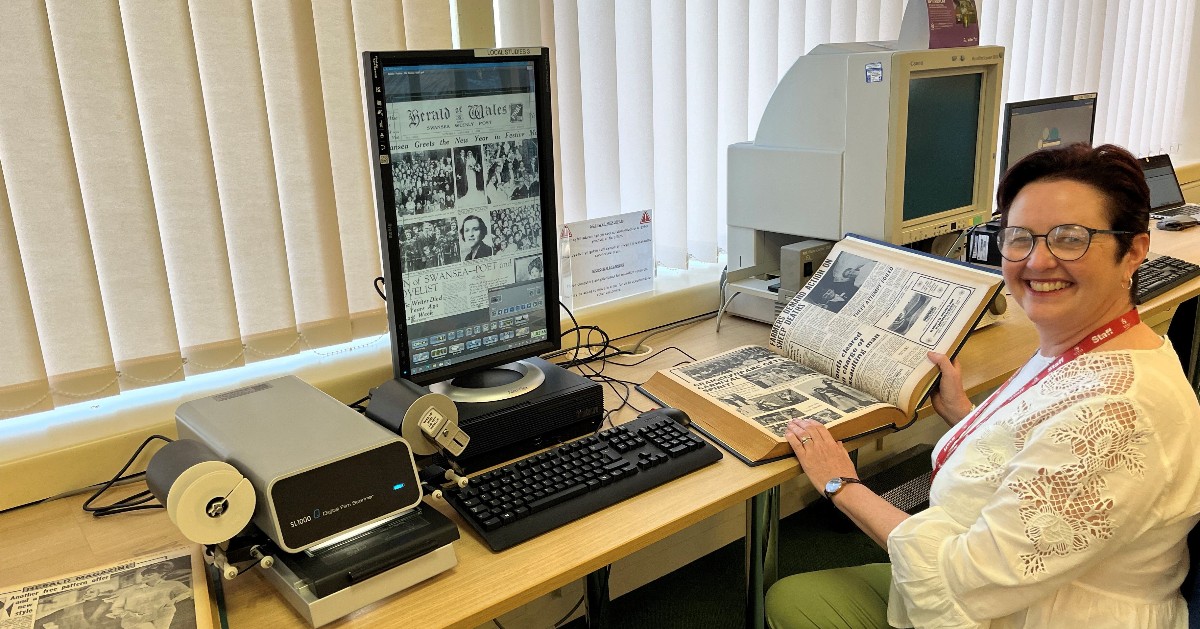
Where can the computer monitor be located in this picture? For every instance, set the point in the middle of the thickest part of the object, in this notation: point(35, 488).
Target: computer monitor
point(464, 190)
point(863, 138)
point(1046, 123)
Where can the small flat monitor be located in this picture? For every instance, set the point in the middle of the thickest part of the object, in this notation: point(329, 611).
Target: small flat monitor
point(1162, 181)
point(1046, 123)
point(465, 200)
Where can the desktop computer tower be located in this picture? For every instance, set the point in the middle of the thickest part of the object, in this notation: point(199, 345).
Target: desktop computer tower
point(564, 407)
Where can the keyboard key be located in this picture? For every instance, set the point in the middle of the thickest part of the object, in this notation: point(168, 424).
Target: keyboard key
point(566, 493)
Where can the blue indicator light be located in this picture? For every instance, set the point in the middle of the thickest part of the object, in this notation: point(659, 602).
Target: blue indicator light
point(398, 486)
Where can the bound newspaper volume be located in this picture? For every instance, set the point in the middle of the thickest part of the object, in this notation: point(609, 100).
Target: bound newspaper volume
point(849, 350)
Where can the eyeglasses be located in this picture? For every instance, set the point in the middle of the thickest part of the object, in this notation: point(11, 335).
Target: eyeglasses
point(1066, 242)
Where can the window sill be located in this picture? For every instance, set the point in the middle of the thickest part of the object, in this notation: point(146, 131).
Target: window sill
point(1189, 180)
point(50, 453)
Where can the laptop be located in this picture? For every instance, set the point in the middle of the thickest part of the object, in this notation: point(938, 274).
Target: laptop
point(1166, 198)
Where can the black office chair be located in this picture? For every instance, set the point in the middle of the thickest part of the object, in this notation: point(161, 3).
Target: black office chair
point(1191, 584)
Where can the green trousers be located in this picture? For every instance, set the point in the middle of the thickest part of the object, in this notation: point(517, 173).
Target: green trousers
point(841, 598)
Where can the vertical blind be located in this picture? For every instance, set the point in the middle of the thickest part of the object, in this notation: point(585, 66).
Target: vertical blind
point(184, 187)
point(650, 94)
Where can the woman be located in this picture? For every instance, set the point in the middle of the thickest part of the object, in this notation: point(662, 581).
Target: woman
point(472, 232)
point(470, 178)
point(1064, 500)
point(534, 270)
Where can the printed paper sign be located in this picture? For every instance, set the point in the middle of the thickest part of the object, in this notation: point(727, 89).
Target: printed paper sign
point(607, 258)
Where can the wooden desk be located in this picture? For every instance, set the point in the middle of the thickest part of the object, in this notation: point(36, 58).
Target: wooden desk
point(56, 537)
point(52, 538)
point(1180, 304)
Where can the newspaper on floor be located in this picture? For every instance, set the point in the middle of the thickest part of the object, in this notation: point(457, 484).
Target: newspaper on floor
point(161, 591)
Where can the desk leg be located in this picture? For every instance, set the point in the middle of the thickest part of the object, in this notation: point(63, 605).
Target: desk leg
point(1194, 353)
point(596, 598)
point(762, 553)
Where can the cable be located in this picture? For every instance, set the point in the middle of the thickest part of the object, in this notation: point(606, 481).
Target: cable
point(676, 348)
point(577, 329)
point(358, 404)
point(575, 324)
point(670, 326)
point(137, 501)
point(379, 288)
point(607, 573)
point(966, 233)
point(596, 352)
point(568, 614)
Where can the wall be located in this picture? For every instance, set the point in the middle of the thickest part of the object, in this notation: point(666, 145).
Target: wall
point(1189, 150)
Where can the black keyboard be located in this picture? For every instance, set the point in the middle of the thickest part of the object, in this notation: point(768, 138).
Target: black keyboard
point(544, 491)
point(1160, 274)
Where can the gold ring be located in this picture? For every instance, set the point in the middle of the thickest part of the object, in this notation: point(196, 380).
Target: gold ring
point(804, 440)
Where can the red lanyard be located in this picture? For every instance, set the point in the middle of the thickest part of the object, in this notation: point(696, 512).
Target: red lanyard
point(1098, 337)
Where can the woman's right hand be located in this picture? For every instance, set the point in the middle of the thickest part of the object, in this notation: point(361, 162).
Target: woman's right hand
point(949, 399)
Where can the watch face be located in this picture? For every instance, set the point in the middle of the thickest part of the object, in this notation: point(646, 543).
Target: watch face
point(833, 486)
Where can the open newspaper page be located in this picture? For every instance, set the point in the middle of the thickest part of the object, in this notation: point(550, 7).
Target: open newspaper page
point(871, 312)
point(164, 591)
point(770, 390)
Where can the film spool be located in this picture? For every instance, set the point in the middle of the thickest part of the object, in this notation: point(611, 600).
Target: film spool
point(424, 407)
point(207, 498)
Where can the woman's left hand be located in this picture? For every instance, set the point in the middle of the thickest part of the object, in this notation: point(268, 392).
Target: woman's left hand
point(821, 456)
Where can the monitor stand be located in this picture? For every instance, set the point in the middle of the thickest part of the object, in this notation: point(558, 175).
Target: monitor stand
point(493, 385)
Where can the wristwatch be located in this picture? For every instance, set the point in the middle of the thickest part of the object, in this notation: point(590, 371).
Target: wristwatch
point(837, 484)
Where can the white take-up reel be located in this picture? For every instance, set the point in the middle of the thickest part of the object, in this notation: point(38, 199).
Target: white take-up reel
point(207, 499)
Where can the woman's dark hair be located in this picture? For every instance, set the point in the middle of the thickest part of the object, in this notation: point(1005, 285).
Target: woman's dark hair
point(1109, 169)
point(535, 263)
point(483, 230)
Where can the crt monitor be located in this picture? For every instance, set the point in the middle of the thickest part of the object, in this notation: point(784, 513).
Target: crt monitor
point(464, 193)
point(865, 138)
point(1046, 123)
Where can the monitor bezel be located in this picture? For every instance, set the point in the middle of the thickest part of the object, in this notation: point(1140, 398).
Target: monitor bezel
point(373, 63)
point(1010, 108)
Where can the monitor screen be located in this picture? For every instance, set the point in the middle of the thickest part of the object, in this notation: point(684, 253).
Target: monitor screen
point(1046, 123)
point(943, 134)
point(464, 191)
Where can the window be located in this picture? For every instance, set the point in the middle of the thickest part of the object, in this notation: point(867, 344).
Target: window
point(650, 94)
point(183, 188)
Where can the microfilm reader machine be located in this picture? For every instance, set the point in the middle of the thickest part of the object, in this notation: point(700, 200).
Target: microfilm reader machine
point(326, 502)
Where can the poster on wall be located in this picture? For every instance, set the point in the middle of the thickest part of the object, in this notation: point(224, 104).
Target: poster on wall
point(953, 23)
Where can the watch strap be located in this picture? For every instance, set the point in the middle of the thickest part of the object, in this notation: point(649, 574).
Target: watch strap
point(846, 480)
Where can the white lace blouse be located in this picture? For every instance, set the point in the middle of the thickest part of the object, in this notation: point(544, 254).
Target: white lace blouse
point(1069, 507)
